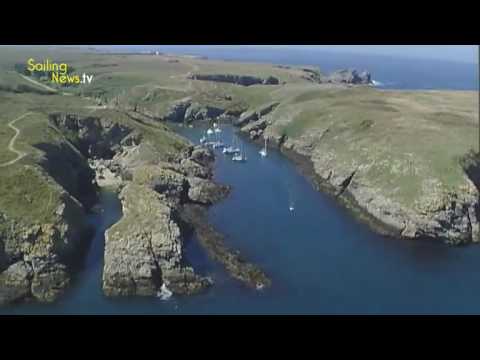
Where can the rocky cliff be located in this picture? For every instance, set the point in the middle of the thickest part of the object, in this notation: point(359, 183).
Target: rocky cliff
point(347, 157)
point(343, 76)
point(143, 252)
point(187, 111)
point(37, 258)
point(453, 218)
point(244, 80)
point(348, 76)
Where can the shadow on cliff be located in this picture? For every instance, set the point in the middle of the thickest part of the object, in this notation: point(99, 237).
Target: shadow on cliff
point(71, 170)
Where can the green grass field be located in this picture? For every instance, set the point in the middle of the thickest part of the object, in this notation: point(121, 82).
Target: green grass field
point(400, 138)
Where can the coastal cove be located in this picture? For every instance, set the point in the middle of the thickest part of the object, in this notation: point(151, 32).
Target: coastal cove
point(320, 259)
point(191, 183)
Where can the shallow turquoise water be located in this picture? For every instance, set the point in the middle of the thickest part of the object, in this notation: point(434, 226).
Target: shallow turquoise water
point(319, 258)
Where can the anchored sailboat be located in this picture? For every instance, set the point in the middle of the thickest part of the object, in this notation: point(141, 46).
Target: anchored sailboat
point(231, 150)
point(240, 157)
point(217, 144)
point(203, 139)
point(263, 152)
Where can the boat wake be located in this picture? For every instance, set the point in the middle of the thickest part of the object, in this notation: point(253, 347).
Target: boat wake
point(164, 293)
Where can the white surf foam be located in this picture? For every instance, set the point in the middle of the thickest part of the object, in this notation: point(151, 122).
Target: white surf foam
point(164, 293)
point(377, 83)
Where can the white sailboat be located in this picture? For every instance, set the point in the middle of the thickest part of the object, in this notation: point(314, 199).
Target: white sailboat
point(228, 150)
point(291, 196)
point(240, 157)
point(217, 128)
point(203, 139)
point(209, 132)
point(218, 143)
point(263, 152)
point(231, 150)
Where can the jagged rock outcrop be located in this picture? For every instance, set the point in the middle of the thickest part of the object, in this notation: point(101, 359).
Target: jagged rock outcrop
point(247, 273)
point(205, 192)
point(50, 278)
point(189, 167)
point(38, 258)
point(177, 110)
point(143, 252)
point(244, 80)
point(168, 182)
point(15, 282)
point(453, 218)
point(179, 184)
point(202, 156)
point(343, 76)
point(196, 112)
point(255, 129)
point(93, 136)
point(255, 114)
point(187, 111)
point(312, 75)
point(348, 76)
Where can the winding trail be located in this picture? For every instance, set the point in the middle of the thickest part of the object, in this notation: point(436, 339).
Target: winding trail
point(38, 84)
point(11, 144)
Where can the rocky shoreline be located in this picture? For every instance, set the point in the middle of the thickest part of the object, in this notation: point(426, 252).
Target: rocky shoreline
point(144, 249)
point(162, 203)
point(456, 224)
point(245, 272)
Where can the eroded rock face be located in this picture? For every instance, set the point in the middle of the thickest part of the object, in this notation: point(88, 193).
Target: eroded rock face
point(244, 80)
point(15, 283)
point(205, 192)
point(37, 258)
point(187, 111)
point(349, 76)
point(144, 250)
point(238, 267)
point(202, 156)
point(50, 279)
point(94, 136)
point(452, 218)
point(255, 114)
point(189, 167)
point(255, 129)
point(177, 111)
point(168, 182)
point(198, 112)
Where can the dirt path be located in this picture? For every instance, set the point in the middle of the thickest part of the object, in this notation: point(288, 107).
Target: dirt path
point(11, 144)
point(38, 84)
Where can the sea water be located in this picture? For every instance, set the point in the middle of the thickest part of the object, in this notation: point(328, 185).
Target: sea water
point(320, 259)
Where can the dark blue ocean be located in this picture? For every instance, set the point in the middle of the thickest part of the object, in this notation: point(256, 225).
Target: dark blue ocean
point(392, 72)
point(320, 260)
